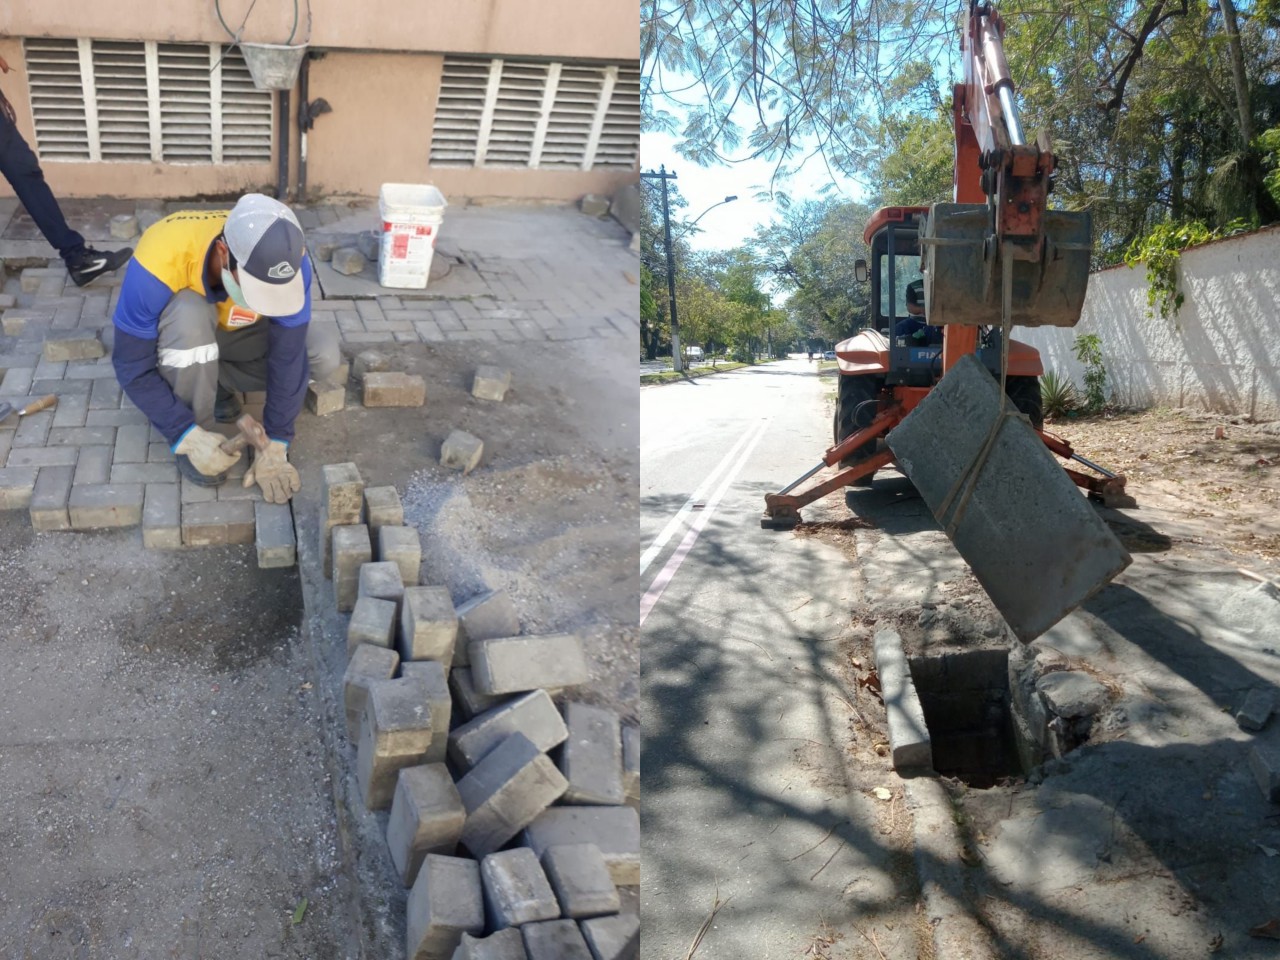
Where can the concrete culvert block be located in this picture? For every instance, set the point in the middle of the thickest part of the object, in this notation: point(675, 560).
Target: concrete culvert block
point(1264, 761)
point(615, 830)
point(373, 621)
point(613, 938)
point(517, 664)
point(325, 397)
point(1253, 714)
point(367, 665)
point(1071, 693)
point(382, 508)
point(461, 451)
point(555, 940)
point(505, 792)
point(580, 877)
point(402, 546)
point(491, 383)
point(506, 944)
point(325, 247)
point(533, 715)
point(347, 260)
point(594, 205)
point(60, 345)
point(434, 677)
point(469, 701)
point(908, 732)
point(124, 226)
point(394, 389)
point(395, 733)
point(351, 551)
point(516, 890)
point(275, 541)
point(591, 759)
point(484, 617)
point(369, 243)
point(446, 902)
point(381, 580)
point(426, 817)
point(428, 624)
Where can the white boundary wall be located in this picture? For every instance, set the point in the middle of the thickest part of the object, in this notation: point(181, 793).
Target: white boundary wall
point(1222, 350)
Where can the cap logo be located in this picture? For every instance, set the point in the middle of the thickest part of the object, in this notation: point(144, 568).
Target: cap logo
point(281, 271)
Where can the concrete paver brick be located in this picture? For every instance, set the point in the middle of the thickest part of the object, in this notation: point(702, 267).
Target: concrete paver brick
point(469, 701)
point(1256, 709)
point(428, 331)
point(6, 443)
point(16, 487)
point(131, 444)
point(42, 456)
point(908, 734)
point(434, 678)
point(160, 453)
point(615, 830)
point(381, 580)
point(49, 499)
point(90, 370)
point(216, 523)
point(17, 381)
point(486, 616)
point(194, 493)
point(114, 417)
point(555, 940)
point(366, 337)
point(49, 369)
point(426, 817)
point(517, 664)
point(592, 756)
point(63, 345)
point(347, 260)
point(580, 878)
point(33, 429)
point(369, 310)
point(382, 508)
point(401, 546)
point(461, 451)
point(324, 398)
point(394, 389)
point(534, 715)
point(105, 395)
point(351, 550)
point(631, 761)
point(428, 624)
point(369, 361)
point(341, 495)
point(1264, 761)
point(143, 472)
point(275, 539)
point(491, 383)
point(81, 436)
point(505, 944)
point(93, 465)
point(72, 412)
point(368, 663)
point(395, 733)
point(505, 792)
point(373, 621)
point(516, 890)
point(161, 516)
point(613, 938)
point(445, 903)
point(98, 506)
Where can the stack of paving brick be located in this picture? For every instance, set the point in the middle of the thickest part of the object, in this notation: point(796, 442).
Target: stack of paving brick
point(94, 461)
point(513, 821)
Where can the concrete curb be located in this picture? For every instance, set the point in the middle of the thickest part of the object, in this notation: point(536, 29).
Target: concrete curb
point(908, 733)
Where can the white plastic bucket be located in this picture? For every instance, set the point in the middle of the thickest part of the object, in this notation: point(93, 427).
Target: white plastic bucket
point(411, 218)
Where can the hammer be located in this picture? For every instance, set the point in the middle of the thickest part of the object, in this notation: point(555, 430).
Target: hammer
point(35, 406)
point(251, 434)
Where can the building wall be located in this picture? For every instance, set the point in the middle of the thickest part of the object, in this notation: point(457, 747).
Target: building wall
point(1220, 353)
point(383, 102)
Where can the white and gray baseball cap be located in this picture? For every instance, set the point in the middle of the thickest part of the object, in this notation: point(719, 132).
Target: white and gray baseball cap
point(267, 242)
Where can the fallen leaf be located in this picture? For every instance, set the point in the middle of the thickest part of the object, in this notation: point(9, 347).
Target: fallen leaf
point(1270, 930)
point(1267, 850)
point(300, 912)
point(883, 793)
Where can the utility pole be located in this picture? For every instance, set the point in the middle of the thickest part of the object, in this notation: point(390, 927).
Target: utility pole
point(671, 264)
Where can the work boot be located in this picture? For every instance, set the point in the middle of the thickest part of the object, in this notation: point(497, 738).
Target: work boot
point(90, 264)
point(188, 470)
point(226, 406)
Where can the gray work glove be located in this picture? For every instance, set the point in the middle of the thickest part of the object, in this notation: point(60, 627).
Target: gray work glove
point(204, 449)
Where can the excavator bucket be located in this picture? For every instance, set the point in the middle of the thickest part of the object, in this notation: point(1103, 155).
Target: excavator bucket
point(1035, 544)
point(962, 276)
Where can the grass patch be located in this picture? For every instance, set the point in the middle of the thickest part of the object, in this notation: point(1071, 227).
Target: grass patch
point(670, 376)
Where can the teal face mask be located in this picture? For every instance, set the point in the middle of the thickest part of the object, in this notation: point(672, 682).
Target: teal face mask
point(233, 289)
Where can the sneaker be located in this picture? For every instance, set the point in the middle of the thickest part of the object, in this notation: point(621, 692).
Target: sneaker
point(188, 470)
point(94, 263)
point(226, 407)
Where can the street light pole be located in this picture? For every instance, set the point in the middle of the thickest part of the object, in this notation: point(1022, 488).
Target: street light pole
point(671, 264)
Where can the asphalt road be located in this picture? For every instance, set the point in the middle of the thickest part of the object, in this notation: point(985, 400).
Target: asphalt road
point(747, 801)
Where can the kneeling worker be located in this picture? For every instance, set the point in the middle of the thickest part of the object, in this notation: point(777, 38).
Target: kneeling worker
point(215, 302)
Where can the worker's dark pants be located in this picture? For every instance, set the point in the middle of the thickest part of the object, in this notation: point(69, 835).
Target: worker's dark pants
point(21, 168)
point(196, 355)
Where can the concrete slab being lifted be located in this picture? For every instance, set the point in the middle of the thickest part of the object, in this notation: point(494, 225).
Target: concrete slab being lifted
point(1033, 541)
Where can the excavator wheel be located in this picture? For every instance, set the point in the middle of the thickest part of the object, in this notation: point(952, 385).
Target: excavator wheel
point(856, 407)
point(1024, 393)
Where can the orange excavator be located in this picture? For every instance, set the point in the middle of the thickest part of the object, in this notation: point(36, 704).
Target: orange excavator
point(995, 258)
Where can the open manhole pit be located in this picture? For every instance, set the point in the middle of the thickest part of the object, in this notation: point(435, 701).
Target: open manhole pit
point(967, 708)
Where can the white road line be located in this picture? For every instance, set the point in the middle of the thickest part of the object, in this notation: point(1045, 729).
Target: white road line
point(674, 523)
point(665, 575)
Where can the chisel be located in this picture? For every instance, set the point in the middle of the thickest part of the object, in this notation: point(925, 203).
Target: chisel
point(35, 406)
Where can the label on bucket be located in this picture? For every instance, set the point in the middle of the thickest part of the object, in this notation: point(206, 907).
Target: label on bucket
point(408, 241)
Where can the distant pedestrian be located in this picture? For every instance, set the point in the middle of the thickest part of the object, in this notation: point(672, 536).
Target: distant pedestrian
point(21, 168)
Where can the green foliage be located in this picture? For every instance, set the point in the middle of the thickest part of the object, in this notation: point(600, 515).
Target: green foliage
point(1268, 145)
point(1057, 395)
point(1088, 350)
point(1161, 250)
